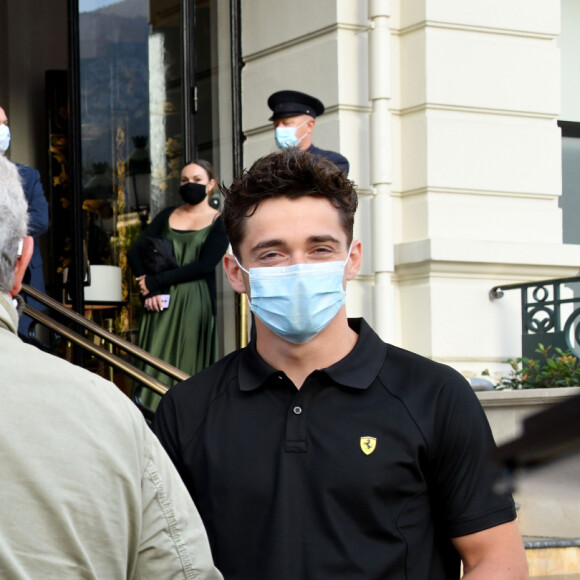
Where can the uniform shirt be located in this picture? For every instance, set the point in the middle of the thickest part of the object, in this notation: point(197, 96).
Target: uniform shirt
point(87, 491)
point(366, 471)
point(339, 160)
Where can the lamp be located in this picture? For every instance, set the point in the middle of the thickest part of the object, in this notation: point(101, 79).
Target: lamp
point(138, 183)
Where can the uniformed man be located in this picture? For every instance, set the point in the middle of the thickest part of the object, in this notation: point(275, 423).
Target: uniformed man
point(294, 117)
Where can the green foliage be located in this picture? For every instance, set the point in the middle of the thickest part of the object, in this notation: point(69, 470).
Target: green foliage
point(560, 369)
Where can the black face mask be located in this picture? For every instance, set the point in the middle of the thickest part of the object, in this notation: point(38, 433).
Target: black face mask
point(192, 193)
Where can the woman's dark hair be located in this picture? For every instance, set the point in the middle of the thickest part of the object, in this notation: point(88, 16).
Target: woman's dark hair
point(291, 173)
point(204, 165)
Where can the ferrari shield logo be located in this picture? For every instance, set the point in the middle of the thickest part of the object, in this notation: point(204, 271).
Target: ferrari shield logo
point(368, 444)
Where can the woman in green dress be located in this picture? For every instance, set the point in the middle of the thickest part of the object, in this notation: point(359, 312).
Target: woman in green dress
point(183, 332)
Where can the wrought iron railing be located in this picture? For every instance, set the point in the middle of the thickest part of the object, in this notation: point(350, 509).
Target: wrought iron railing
point(550, 311)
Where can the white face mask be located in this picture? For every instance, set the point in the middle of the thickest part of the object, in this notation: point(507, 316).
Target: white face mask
point(4, 138)
point(299, 301)
point(286, 136)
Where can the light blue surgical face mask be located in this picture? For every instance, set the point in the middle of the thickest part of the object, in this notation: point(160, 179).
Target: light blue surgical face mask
point(299, 301)
point(286, 136)
point(4, 138)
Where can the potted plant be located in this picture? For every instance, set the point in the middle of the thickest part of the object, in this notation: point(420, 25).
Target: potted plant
point(552, 370)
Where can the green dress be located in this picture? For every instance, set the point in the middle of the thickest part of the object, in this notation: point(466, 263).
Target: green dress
point(185, 333)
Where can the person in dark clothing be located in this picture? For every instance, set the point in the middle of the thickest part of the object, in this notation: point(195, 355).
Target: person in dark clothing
point(179, 320)
point(38, 220)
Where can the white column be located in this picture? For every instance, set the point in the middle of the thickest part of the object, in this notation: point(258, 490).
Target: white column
point(381, 168)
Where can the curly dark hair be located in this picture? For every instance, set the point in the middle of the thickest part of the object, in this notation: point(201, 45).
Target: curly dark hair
point(291, 173)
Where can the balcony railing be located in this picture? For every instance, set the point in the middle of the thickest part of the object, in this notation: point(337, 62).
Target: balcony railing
point(550, 312)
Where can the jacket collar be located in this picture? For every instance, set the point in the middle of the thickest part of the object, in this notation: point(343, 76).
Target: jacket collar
point(8, 314)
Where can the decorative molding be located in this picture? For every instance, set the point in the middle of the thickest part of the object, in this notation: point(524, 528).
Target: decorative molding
point(483, 360)
point(481, 259)
point(411, 273)
point(425, 107)
point(321, 32)
point(424, 24)
point(473, 192)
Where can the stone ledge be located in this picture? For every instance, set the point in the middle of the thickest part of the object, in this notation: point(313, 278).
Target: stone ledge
point(525, 397)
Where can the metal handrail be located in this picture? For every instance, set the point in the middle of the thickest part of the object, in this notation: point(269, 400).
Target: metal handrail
point(497, 291)
point(97, 350)
point(91, 326)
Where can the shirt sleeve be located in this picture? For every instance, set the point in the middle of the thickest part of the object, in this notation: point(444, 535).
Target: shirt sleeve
point(153, 229)
point(37, 205)
point(342, 163)
point(461, 466)
point(173, 542)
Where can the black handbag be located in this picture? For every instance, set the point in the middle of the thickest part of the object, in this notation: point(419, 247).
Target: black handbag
point(157, 255)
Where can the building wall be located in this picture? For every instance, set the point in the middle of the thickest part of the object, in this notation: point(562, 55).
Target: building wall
point(320, 48)
point(569, 45)
point(478, 97)
point(453, 142)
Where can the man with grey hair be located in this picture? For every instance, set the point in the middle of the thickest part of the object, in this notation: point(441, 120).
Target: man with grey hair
point(87, 490)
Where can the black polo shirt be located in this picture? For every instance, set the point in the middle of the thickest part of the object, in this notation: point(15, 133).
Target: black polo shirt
point(364, 473)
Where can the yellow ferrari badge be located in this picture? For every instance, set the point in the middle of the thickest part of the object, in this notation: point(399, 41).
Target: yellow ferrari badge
point(368, 444)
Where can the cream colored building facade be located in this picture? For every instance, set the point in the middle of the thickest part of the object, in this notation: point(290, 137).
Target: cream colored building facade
point(447, 111)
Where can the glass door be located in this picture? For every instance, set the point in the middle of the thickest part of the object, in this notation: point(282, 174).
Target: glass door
point(154, 92)
point(132, 126)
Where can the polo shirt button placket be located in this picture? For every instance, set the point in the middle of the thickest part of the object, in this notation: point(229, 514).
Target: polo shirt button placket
point(296, 427)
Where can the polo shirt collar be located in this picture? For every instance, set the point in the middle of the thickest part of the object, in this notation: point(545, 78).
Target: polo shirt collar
point(357, 369)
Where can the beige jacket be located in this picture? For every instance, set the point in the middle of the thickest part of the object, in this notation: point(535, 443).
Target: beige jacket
point(86, 490)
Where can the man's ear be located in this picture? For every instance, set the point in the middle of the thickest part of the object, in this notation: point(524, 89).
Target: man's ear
point(355, 260)
point(22, 264)
point(234, 273)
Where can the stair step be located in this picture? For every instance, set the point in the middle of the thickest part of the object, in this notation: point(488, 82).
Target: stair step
point(553, 559)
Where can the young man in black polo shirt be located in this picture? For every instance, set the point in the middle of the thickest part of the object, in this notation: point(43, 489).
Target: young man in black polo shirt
point(319, 452)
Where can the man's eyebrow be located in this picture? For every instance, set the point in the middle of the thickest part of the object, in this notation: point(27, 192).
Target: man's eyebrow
point(323, 239)
point(277, 243)
point(273, 243)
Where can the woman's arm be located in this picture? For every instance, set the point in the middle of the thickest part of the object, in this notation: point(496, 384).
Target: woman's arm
point(212, 252)
point(153, 229)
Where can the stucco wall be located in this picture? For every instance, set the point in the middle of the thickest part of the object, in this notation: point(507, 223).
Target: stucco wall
point(472, 199)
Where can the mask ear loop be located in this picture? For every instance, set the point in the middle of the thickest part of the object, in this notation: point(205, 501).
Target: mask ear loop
point(239, 265)
point(348, 255)
point(243, 270)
